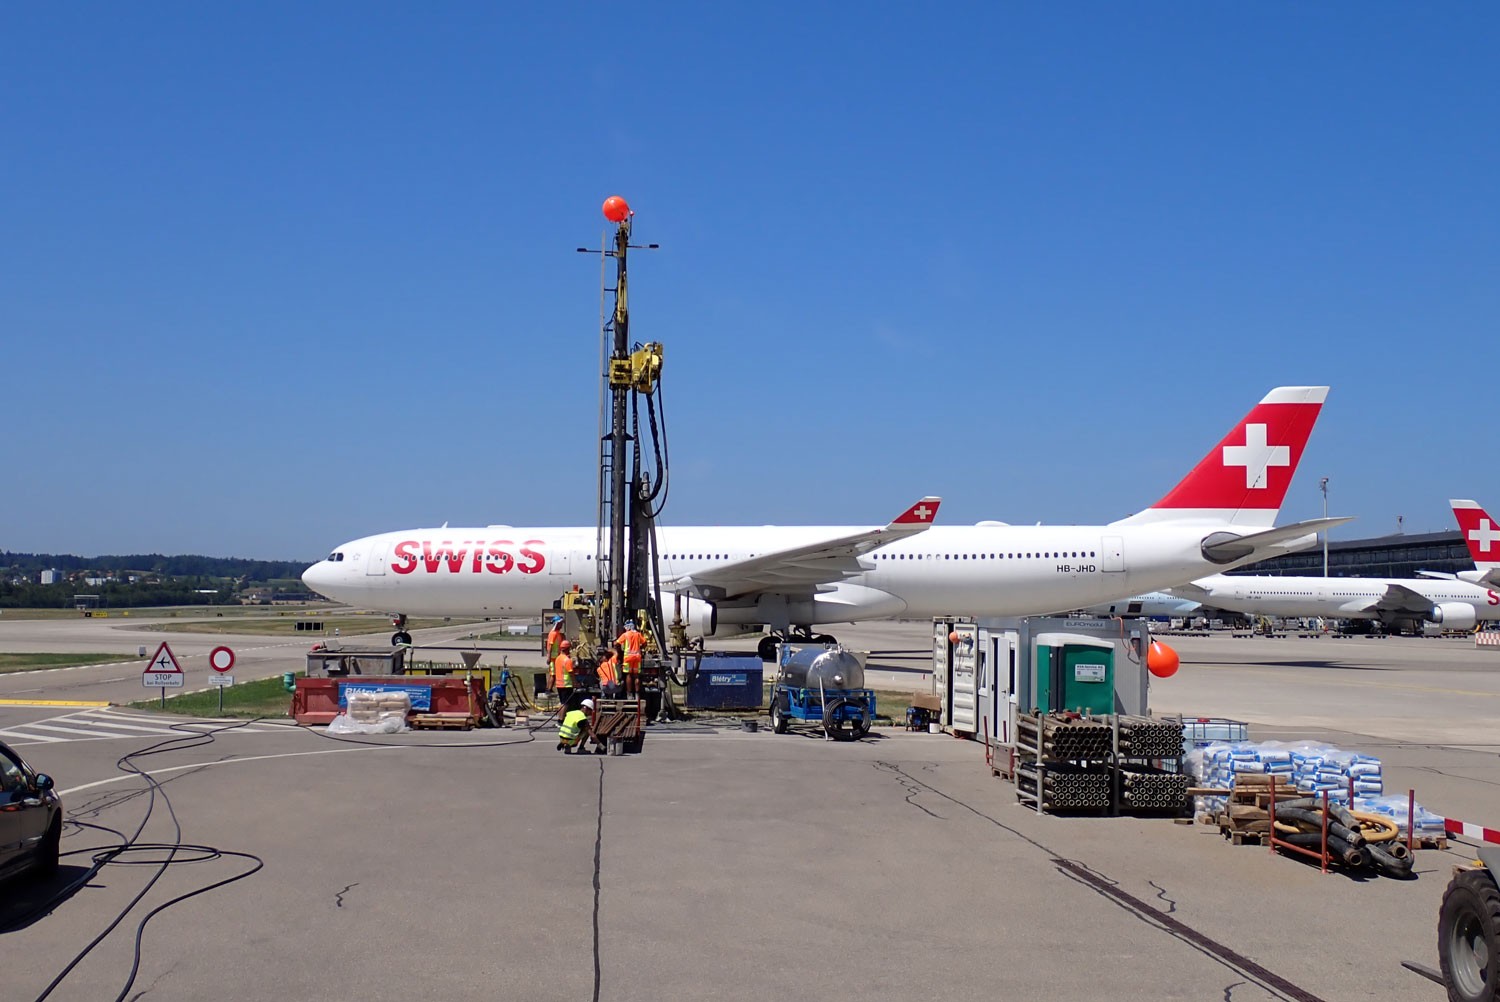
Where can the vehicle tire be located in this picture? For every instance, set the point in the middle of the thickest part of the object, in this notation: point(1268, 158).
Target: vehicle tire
point(492, 717)
point(767, 648)
point(826, 639)
point(51, 849)
point(1469, 936)
point(835, 725)
point(779, 721)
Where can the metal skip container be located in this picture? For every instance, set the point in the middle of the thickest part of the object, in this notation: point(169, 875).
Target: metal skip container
point(725, 681)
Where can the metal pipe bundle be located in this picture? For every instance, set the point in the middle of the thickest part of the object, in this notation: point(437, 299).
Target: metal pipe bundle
point(1066, 787)
point(1145, 737)
point(1152, 789)
point(1061, 738)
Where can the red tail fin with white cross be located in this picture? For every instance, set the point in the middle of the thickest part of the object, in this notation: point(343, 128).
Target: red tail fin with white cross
point(1481, 532)
point(1243, 480)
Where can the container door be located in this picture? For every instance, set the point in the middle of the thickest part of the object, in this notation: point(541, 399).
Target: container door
point(963, 697)
point(942, 665)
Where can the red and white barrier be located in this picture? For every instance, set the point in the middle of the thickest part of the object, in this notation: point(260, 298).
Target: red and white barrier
point(1487, 638)
point(1467, 830)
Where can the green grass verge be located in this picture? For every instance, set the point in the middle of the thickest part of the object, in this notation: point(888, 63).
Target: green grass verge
point(286, 626)
point(34, 662)
point(262, 698)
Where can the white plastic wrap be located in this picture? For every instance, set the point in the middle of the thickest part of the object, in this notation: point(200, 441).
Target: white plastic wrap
point(372, 713)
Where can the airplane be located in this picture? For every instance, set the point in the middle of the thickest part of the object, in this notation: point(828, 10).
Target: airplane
point(1152, 603)
point(1446, 602)
point(733, 580)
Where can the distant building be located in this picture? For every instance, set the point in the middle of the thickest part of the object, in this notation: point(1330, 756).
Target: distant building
point(1400, 556)
point(53, 576)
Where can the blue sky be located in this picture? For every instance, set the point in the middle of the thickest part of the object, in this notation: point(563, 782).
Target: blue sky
point(273, 276)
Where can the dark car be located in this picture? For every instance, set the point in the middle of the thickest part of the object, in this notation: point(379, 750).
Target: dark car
point(30, 818)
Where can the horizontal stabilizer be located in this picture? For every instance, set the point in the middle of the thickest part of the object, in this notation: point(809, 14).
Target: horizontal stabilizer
point(1227, 548)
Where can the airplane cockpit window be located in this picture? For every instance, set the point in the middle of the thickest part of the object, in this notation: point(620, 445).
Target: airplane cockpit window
point(335, 557)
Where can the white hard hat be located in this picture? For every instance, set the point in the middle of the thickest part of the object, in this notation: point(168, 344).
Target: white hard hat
point(589, 703)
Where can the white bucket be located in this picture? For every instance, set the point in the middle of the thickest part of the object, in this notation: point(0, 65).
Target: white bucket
point(934, 728)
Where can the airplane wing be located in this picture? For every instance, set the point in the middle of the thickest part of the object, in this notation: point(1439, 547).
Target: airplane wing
point(1401, 599)
point(806, 566)
point(1192, 591)
point(1226, 547)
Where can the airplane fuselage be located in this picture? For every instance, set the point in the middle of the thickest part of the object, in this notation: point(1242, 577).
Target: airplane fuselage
point(946, 570)
point(1341, 598)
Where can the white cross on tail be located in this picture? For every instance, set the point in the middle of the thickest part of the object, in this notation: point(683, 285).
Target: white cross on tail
point(1256, 456)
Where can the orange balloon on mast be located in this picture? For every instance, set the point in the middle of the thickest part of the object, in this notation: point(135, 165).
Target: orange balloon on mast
point(616, 209)
point(1161, 660)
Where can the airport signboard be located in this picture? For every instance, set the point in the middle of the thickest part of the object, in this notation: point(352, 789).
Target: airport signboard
point(163, 670)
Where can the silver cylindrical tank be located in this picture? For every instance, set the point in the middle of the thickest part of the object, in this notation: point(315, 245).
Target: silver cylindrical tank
point(828, 668)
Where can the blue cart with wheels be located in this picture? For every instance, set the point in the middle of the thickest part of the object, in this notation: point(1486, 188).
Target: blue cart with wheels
point(822, 685)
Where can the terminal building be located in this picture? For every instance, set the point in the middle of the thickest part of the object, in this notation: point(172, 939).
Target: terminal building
point(1396, 556)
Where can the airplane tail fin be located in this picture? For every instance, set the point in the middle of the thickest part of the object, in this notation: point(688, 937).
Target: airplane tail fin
point(1243, 480)
point(1481, 532)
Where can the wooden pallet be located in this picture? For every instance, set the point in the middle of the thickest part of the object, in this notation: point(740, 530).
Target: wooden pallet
point(1429, 842)
point(441, 721)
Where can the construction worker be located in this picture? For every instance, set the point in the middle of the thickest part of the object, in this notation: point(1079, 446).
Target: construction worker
point(609, 674)
point(554, 639)
point(562, 672)
point(630, 641)
point(575, 727)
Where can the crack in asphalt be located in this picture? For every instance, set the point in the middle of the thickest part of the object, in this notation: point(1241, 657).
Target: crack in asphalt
point(1161, 892)
point(338, 899)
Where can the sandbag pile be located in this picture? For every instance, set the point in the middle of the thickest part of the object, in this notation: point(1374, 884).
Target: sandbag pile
point(382, 712)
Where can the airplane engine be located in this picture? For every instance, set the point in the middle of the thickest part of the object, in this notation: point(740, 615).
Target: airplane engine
point(701, 618)
point(1454, 615)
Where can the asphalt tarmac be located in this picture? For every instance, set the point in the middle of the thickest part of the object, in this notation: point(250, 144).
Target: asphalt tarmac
point(718, 864)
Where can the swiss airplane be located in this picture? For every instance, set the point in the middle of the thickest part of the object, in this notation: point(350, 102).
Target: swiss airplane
point(792, 578)
point(1447, 602)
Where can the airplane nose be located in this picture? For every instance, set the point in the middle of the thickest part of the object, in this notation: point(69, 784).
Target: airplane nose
point(315, 577)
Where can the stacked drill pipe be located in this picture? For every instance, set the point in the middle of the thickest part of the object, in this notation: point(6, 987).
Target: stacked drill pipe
point(1068, 739)
point(1144, 737)
point(1066, 787)
point(1355, 839)
point(1147, 789)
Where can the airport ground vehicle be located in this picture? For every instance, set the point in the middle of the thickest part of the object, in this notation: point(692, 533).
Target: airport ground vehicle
point(1469, 931)
point(823, 685)
point(30, 818)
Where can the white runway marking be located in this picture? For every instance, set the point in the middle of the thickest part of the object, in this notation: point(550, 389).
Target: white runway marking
point(105, 725)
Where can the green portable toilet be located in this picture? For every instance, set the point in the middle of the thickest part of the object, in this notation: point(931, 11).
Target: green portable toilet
point(1074, 672)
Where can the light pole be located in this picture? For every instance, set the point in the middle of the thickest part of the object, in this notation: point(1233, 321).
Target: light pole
point(1323, 486)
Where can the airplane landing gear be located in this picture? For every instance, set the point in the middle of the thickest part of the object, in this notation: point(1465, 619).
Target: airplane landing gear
point(400, 636)
point(799, 635)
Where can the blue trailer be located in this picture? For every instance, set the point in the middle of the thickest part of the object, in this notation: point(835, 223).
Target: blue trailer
point(823, 685)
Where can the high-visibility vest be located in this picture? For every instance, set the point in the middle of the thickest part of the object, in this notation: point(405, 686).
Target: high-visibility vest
point(562, 670)
point(554, 640)
point(607, 671)
point(573, 720)
point(632, 639)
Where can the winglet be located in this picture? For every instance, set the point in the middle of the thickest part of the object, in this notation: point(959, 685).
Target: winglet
point(922, 513)
point(1481, 532)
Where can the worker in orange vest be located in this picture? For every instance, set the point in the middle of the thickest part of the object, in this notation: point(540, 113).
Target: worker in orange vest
point(562, 672)
point(609, 675)
point(630, 642)
point(554, 639)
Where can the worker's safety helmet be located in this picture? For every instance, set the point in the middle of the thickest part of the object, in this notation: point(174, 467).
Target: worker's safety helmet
point(588, 704)
point(556, 620)
point(629, 624)
point(566, 645)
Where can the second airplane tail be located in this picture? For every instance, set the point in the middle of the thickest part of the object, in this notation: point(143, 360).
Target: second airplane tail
point(1243, 480)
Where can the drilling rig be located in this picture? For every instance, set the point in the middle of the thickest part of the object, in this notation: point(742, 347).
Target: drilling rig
point(633, 477)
